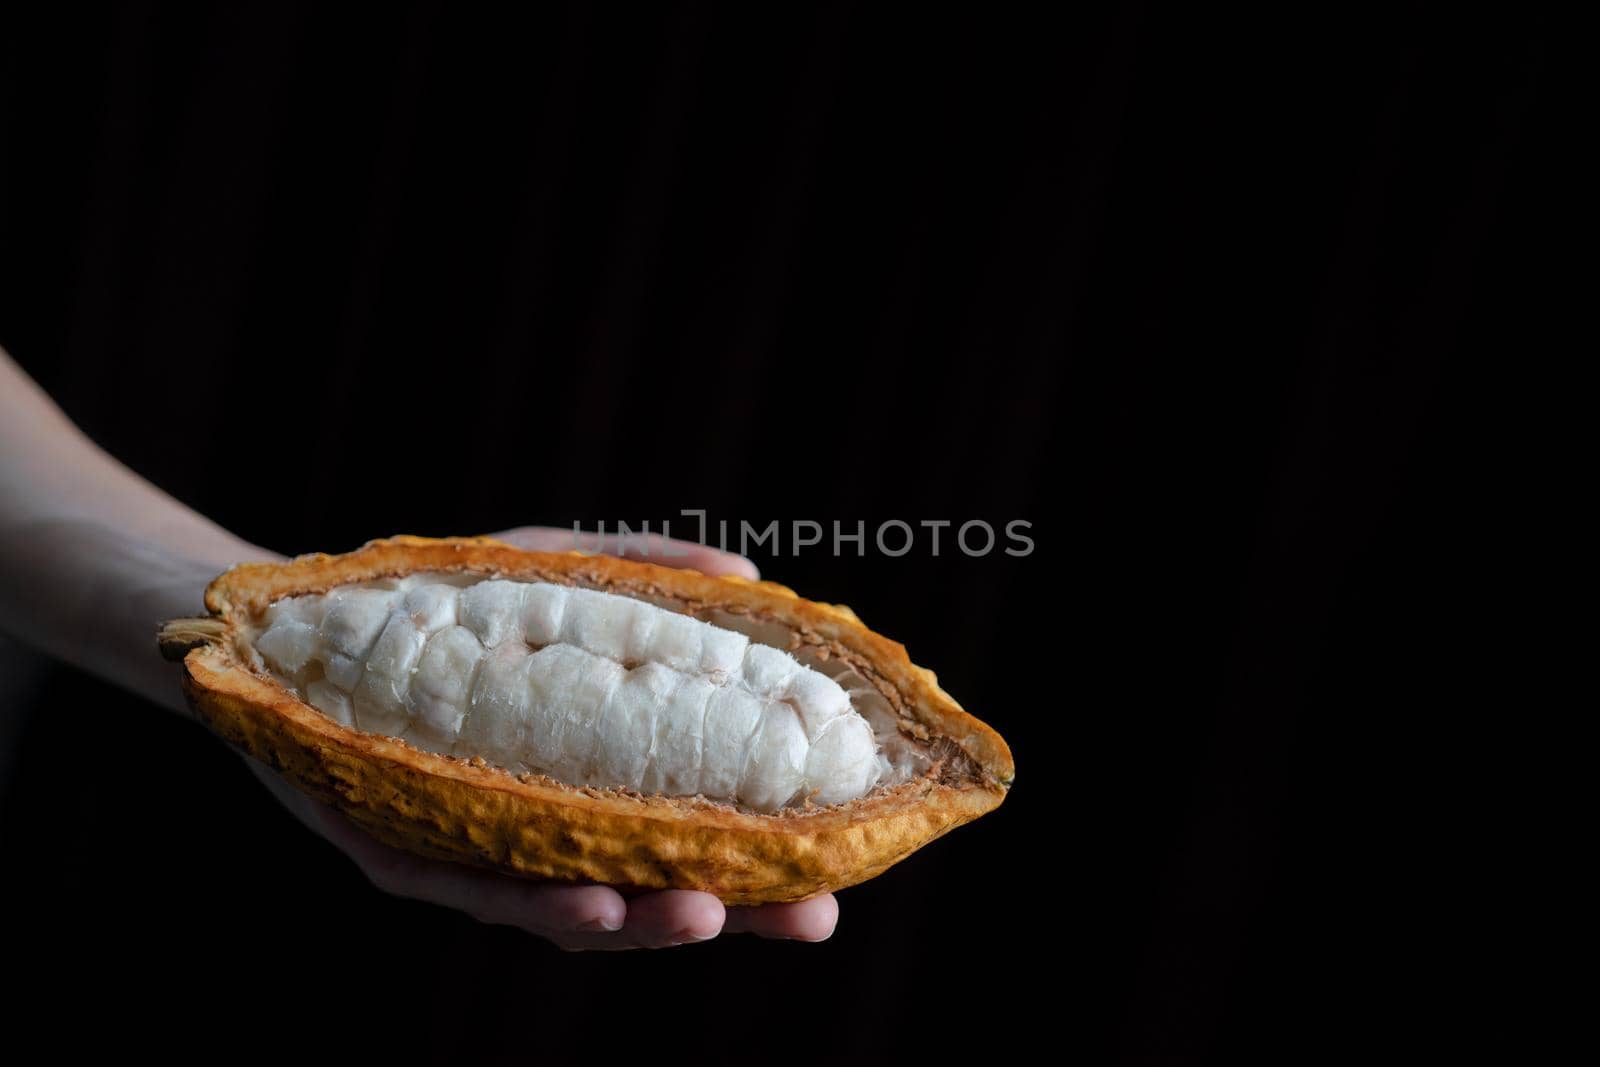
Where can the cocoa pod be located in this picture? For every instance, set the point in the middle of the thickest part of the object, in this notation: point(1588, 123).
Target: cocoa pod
point(580, 717)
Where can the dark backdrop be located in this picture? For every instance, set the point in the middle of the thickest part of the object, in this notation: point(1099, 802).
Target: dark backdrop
point(1202, 296)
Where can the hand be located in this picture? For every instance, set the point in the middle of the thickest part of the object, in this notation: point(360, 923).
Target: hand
point(665, 551)
point(574, 917)
point(92, 556)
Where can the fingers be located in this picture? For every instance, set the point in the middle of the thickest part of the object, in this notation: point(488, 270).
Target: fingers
point(807, 920)
point(679, 917)
point(545, 909)
point(551, 910)
point(657, 920)
point(652, 548)
point(574, 917)
point(675, 917)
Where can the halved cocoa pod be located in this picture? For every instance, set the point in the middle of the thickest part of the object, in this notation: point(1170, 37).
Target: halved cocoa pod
point(558, 715)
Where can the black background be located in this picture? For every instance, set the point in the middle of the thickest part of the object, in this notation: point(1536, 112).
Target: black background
point(1209, 298)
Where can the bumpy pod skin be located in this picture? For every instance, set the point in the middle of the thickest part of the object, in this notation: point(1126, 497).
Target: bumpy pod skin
point(470, 812)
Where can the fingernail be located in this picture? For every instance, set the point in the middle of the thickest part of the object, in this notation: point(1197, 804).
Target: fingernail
point(600, 926)
point(683, 937)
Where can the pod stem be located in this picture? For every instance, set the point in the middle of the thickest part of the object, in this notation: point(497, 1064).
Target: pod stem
point(178, 636)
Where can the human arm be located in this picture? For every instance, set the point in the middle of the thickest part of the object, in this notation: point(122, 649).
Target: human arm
point(92, 556)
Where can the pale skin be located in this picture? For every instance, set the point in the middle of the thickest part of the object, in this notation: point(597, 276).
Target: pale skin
point(92, 557)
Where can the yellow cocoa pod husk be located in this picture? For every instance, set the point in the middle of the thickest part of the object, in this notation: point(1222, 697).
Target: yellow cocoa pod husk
point(468, 811)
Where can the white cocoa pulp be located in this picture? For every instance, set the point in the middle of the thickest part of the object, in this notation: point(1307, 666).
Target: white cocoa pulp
point(588, 688)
